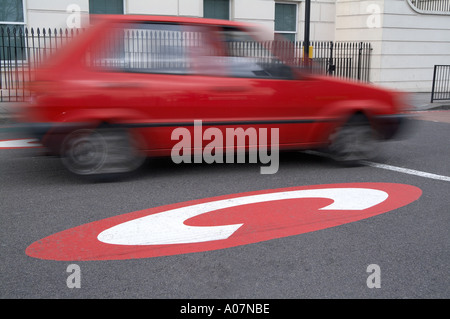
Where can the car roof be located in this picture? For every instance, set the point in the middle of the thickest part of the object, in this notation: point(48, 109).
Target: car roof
point(168, 19)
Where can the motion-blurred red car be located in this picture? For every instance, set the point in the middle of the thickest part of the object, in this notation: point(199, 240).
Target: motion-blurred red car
point(115, 94)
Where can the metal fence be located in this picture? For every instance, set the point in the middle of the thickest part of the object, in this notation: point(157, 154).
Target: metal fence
point(432, 5)
point(350, 60)
point(441, 83)
point(344, 59)
point(22, 50)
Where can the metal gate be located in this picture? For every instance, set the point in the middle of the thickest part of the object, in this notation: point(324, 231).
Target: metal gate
point(441, 83)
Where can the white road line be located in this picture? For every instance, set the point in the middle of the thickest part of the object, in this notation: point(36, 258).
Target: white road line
point(408, 171)
point(392, 168)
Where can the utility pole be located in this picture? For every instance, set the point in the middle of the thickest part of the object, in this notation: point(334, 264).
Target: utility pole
point(307, 29)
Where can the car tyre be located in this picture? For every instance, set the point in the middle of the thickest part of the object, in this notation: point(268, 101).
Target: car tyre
point(102, 153)
point(354, 142)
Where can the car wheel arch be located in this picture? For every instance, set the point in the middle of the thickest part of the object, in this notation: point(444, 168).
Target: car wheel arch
point(336, 115)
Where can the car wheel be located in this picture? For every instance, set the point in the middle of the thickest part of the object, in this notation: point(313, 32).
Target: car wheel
point(354, 142)
point(100, 152)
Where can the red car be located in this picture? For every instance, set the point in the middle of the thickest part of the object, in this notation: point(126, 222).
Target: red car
point(130, 86)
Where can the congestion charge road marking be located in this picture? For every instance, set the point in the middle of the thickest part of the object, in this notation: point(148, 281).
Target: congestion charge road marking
point(19, 143)
point(224, 221)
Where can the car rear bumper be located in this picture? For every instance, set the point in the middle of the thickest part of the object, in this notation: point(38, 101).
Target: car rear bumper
point(38, 130)
point(50, 135)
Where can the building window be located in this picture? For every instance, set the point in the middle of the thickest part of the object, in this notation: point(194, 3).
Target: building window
point(12, 24)
point(216, 9)
point(286, 20)
point(106, 6)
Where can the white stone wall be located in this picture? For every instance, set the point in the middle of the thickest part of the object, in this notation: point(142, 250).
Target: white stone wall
point(255, 11)
point(362, 20)
point(413, 43)
point(406, 43)
point(192, 8)
point(54, 14)
point(323, 16)
point(51, 13)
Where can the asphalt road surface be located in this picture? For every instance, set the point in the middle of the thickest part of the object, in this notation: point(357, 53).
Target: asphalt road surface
point(403, 253)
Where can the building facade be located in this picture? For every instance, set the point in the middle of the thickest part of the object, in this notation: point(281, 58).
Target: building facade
point(408, 37)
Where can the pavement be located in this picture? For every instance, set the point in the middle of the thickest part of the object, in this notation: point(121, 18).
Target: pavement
point(422, 102)
point(418, 101)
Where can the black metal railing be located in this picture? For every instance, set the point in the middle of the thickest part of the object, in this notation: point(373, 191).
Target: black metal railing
point(23, 49)
point(350, 60)
point(441, 83)
point(432, 5)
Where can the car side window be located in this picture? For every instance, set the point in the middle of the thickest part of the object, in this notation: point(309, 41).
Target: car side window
point(247, 57)
point(143, 48)
point(167, 48)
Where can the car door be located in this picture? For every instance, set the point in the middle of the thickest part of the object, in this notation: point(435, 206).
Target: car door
point(168, 76)
point(140, 75)
point(246, 86)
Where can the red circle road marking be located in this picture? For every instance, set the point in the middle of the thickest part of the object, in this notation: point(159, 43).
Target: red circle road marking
point(223, 222)
point(19, 143)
